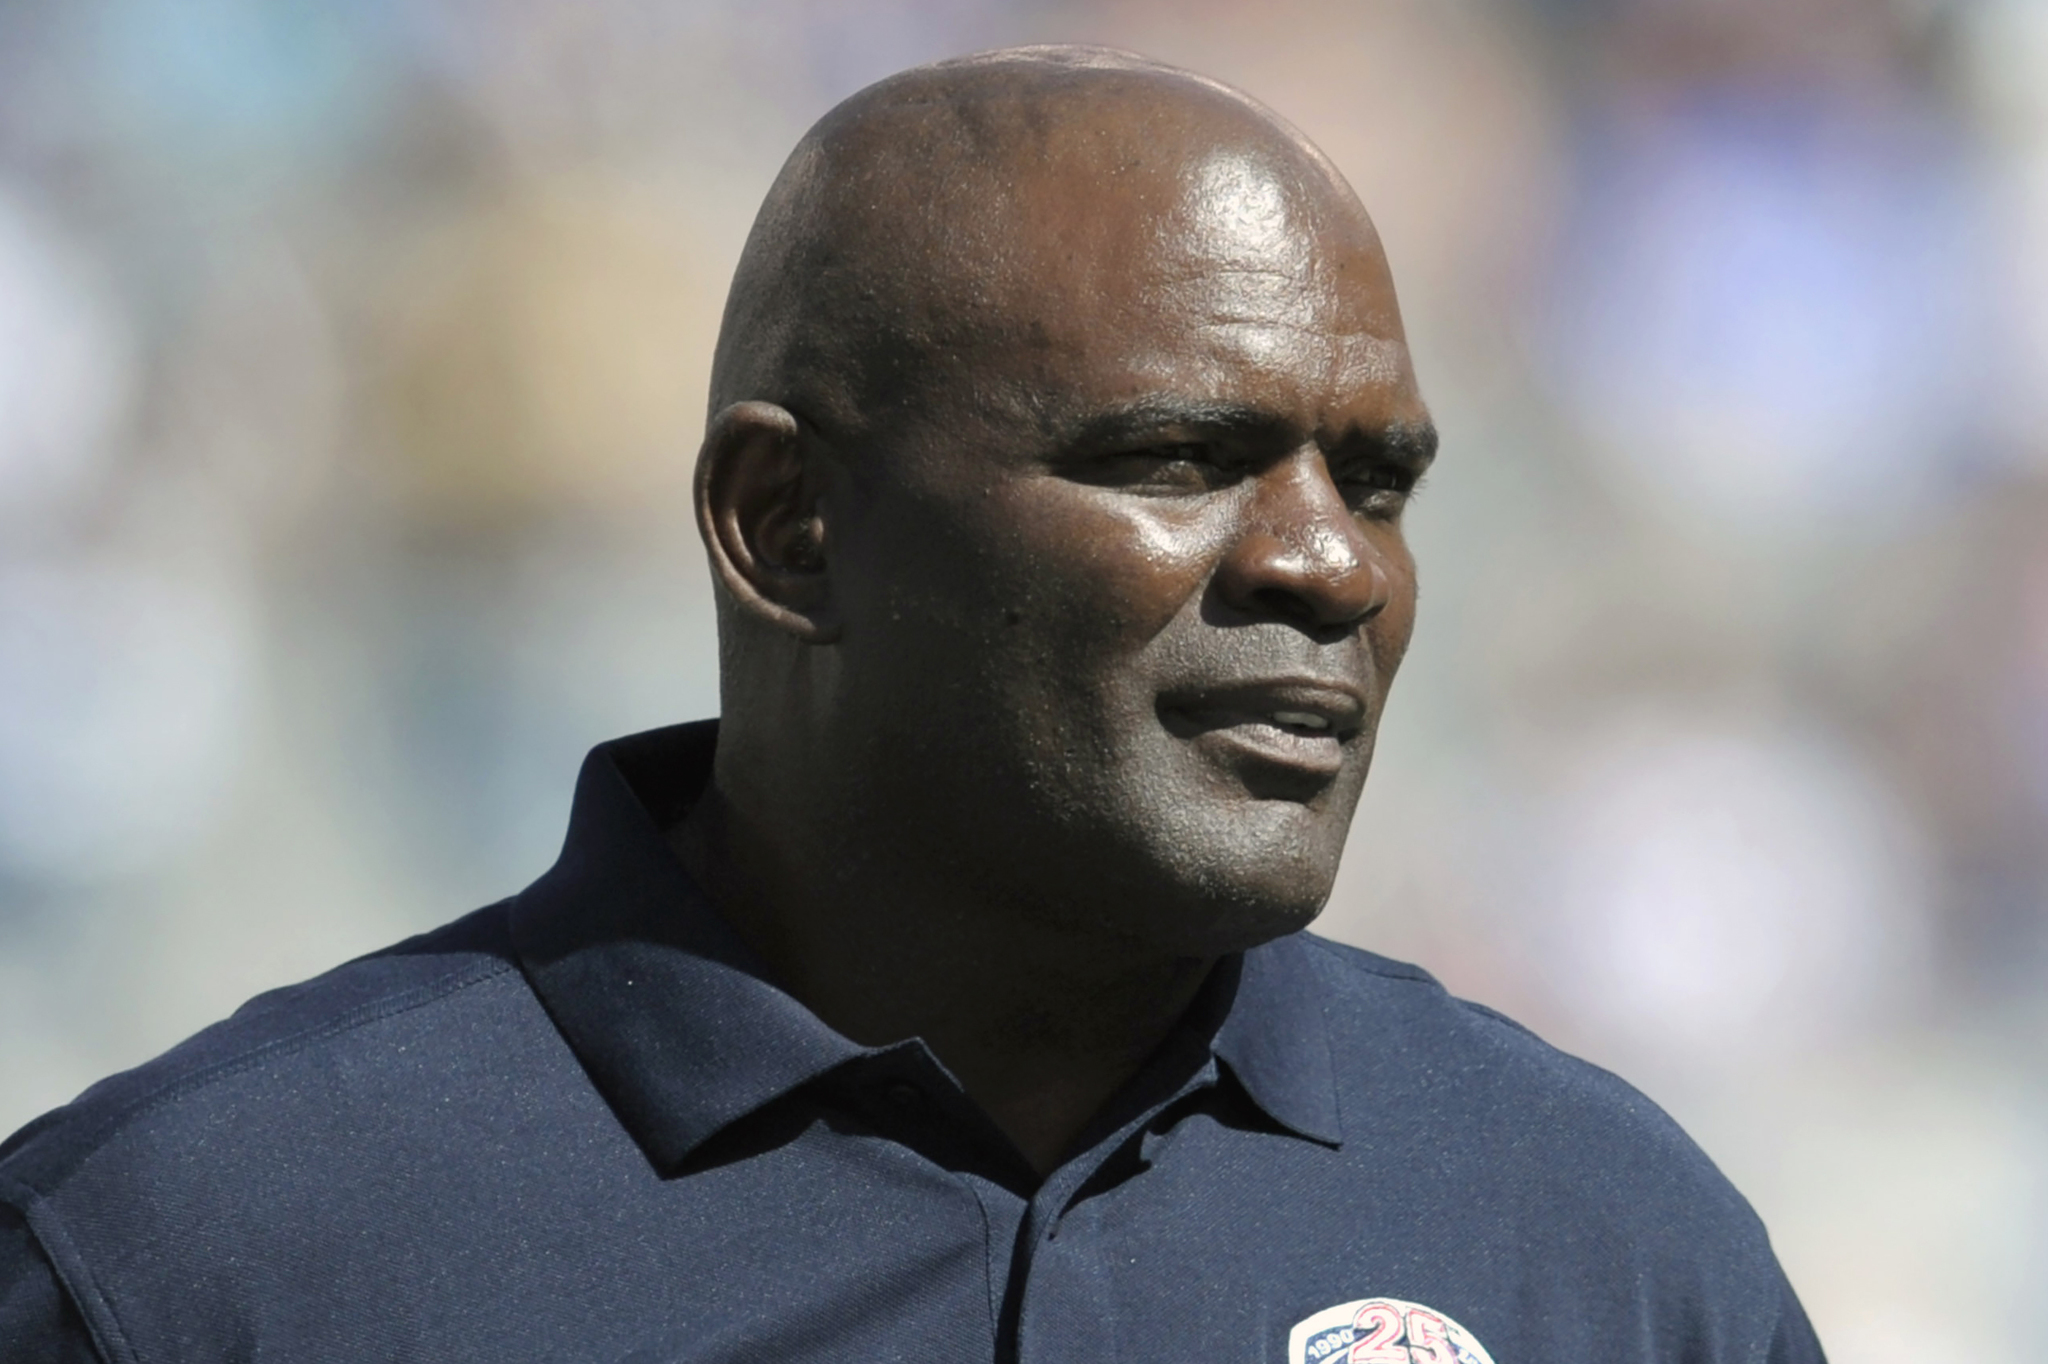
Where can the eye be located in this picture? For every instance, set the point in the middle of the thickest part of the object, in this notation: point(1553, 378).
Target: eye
point(1174, 468)
point(1378, 489)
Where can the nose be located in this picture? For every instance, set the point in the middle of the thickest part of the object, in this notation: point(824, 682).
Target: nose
point(1302, 555)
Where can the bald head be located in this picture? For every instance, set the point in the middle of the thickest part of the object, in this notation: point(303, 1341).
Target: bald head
point(959, 211)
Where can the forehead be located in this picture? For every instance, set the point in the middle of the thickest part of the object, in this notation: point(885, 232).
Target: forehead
point(1246, 274)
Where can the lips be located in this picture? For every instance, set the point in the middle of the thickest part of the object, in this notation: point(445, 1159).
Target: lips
point(1309, 707)
point(1297, 724)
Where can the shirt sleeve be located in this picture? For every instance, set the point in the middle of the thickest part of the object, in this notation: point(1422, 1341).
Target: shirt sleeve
point(39, 1324)
point(1794, 1341)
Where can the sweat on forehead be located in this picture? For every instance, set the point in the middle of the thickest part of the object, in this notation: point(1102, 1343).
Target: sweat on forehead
point(941, 213)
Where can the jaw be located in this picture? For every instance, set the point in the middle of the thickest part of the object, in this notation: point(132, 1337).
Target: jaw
point(1193, 852)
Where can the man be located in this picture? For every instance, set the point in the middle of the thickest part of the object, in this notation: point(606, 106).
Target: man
point(947, 999)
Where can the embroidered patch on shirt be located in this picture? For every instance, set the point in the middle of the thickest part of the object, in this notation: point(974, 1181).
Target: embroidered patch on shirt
point(1382, 1331)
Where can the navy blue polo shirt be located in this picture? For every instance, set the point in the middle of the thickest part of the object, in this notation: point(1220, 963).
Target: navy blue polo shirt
point(585, 1125)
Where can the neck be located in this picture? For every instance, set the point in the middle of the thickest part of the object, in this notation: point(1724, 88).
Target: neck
point(1041, 1024)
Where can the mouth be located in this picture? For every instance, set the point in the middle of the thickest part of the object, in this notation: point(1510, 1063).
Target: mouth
point(1299, 725)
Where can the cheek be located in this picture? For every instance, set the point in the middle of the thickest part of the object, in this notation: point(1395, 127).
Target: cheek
point(1108, 569)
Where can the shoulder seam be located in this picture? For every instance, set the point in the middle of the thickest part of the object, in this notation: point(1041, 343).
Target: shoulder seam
point(1387, 968)
point(1484, 1011)
point(1371, 962)
point(362, 1015)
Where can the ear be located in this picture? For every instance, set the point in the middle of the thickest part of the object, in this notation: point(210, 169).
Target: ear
point(760, 510)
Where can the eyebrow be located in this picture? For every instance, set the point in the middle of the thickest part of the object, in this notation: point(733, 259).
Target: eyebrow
point(1413, 443)
point(1146, 417)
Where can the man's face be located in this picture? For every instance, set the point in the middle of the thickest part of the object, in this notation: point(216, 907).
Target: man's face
point(1121, 611)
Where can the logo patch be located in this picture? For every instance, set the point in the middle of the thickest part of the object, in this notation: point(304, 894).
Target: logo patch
point(1382, 1331)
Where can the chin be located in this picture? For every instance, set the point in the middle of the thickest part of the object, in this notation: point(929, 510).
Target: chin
point(1181, 867)
point(1179, 886)
point(1232, 890)
point(1241, 907)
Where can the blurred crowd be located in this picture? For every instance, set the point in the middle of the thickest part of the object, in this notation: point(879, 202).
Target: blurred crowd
point(353, 358)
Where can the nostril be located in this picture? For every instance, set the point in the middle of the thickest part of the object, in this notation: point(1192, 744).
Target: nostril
point(1284, 605)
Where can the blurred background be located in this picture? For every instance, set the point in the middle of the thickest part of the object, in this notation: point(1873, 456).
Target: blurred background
point(352, 361)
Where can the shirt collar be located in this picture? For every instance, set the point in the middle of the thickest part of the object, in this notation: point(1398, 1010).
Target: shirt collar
point(667, 1009)
point(1276, 1041)
point(682, 1031)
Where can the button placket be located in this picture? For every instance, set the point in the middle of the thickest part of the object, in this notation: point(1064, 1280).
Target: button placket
point(1067, 1310)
